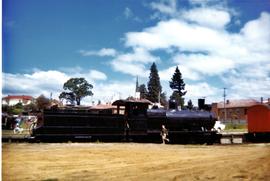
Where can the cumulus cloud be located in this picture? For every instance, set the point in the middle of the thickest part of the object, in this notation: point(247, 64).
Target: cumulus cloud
point(204, 64)
point(249, 81)
point(134, 63)
point(40, 82)
point(102, 52)
point(180, 34)
point(44, 82)
point(201, 89)
point(97, 75)
point(51, 81)
point(202, 47)
point(110, 91)
point(129, 68)
point(251, 44)
point(209, 17)
point(166, 74)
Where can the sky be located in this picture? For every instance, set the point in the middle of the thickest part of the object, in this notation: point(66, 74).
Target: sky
point(214, 43)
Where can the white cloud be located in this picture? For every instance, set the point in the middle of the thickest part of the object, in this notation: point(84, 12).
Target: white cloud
point(97, 75)
point(240, 48)
point(109, 91)
point(166, 74)
point(249, 81)
point(40, 82)
point(102, 52)
point(200, 90)
point(256, 33)
point(202, 47)
point(44, 82)
point(134, 63)
point(206, 48)
point(209, 17)
point(134, 69)
point(204, 64)
point(177, 33)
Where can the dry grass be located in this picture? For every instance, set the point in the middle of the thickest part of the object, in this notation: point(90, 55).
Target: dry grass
point(129, 161)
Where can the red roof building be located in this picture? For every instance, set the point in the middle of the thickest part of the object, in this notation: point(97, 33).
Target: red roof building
point(236, 110)
point(15, 99)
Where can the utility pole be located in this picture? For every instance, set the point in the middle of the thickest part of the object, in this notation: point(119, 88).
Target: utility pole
point(225, 112)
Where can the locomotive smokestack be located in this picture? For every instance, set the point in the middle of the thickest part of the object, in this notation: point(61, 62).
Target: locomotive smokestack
point(201, 103)
point(173, 104)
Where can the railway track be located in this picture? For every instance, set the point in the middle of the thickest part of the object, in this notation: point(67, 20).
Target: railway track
point(226, 137)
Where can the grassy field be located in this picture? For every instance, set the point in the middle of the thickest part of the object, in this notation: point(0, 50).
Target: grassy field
point(131, 161)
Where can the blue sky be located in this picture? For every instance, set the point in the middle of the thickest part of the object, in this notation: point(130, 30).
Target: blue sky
point(215, 43)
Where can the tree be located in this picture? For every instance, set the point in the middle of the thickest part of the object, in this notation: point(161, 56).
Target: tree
point(178, 86)
point(42, 102)
point(190, 105)
point(69, 96)
point(163, 99)
point(78, 88)
point(143, 91)
point(30, 107)
point(154, 87)
point(175, 96)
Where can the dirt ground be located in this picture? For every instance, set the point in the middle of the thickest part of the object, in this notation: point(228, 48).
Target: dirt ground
point(131, 161)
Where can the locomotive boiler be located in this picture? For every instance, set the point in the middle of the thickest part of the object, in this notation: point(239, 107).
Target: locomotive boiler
point(131, 120)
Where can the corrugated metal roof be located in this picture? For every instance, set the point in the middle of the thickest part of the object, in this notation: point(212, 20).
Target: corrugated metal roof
point(9, 97)
point(123, 102)
point(238, 103)
point(103, 106)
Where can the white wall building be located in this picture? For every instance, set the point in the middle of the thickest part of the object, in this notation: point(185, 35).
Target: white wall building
point(13, 100)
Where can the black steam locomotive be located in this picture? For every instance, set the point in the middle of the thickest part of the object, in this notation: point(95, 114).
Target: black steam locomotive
point(131, 120)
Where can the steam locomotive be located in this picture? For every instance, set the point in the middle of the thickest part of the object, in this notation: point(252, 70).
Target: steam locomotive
point(131, 121)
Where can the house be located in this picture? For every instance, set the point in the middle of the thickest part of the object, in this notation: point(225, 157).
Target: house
point(236, 110)
point(12, 100)
point(104, 109)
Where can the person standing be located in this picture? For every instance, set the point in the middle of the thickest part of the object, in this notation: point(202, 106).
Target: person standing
point(164, 134)
point(18, 121)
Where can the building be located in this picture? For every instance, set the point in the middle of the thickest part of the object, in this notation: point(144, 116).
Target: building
point(12, 100)
point(105, 109)
point(236, 110)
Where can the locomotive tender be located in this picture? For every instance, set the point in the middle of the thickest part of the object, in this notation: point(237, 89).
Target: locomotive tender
point(138, 123)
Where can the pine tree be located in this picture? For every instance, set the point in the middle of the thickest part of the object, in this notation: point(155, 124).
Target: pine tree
point(163, 99)
point(175, 96)
point(154, 87)
point(178, 86)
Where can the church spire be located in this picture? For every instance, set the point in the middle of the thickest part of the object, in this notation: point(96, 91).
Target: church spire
point(137, 89)
point(137, 85)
